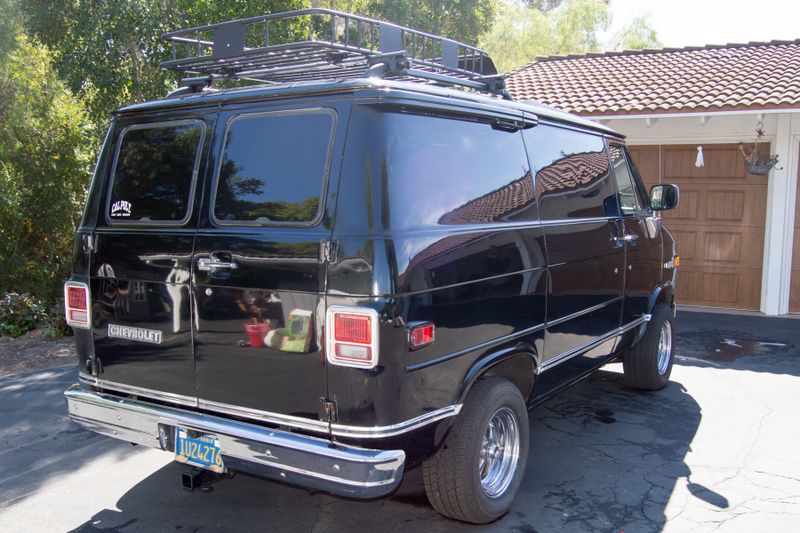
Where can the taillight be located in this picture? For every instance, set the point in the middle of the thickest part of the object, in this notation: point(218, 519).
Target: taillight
point(420, 335)
point(352, 336)
point(76, 304)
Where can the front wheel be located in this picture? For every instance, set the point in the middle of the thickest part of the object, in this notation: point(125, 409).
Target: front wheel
point(648, 364)
point(475, 475)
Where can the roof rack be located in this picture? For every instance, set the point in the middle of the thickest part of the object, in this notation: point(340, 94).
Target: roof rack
point(318, 43)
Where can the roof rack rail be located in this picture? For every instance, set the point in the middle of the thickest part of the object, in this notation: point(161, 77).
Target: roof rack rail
point(318, 43)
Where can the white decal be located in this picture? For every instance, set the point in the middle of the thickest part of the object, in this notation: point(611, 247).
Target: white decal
point(152, 336)
point(121, 208)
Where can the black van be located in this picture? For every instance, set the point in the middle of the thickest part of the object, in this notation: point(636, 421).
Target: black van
point(342, 274)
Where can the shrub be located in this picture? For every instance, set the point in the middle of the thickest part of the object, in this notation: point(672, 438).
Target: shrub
point(20, 313)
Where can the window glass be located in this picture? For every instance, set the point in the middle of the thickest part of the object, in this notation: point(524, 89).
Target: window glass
point(273, 168)
point(622, 173)
point(154, 172)
point(447, 171)
point(572, 173)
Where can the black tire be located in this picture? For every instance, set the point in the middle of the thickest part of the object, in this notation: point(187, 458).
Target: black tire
point(452, 478)
point(641, 363)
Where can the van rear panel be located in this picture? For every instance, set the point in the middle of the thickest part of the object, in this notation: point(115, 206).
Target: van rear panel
point(207, 278)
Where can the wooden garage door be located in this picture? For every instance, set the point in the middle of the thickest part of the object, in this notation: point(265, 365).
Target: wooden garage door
point(719, 224)
point(794, 297)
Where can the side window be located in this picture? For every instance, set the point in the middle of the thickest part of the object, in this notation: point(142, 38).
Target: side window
point(154, 172)
point(273, 168)
point(622, 173)
point(630, 199)
point(572, 173)
point(448, 171)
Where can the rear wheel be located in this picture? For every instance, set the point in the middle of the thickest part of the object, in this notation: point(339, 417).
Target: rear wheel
point(648, 365)
point(475, 475)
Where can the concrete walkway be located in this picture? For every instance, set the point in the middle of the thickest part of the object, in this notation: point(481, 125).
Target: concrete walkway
point(715, 451)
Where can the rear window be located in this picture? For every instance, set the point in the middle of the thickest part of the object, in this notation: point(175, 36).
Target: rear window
point(154, 172)
point(273, 168)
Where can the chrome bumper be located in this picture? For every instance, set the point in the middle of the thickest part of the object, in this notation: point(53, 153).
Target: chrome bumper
point(297, 459)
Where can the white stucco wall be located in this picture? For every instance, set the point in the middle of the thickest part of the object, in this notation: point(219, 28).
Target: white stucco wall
point(782, 130)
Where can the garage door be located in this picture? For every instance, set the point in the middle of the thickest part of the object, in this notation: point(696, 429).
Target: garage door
point(719, 223)
point(794, 298)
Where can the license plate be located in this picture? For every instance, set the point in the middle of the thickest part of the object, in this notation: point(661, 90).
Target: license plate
point(200, 450)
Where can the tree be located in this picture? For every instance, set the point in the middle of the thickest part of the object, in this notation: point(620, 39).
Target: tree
point(637, 35)
point(521, 32)
point(109, 51)
point(44, 170)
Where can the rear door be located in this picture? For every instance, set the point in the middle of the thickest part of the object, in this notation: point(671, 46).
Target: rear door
point(141, 267)
point(259, 277)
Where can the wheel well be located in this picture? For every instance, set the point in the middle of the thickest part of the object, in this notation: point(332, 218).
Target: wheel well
point(518, 369)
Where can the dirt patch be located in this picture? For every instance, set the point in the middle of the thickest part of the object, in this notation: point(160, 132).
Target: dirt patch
point(33, 351)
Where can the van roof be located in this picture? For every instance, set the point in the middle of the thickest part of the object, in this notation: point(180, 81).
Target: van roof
point(383, 87)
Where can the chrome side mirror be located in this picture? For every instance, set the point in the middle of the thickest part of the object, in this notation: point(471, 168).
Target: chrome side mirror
point(663, 197)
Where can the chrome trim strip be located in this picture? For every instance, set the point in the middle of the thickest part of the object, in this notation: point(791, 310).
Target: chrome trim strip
point(306, 461)
point(486, 344)
point(138, 391)
point(589, 345)
point(582, 312)
point(307, 424)
point(339, 430)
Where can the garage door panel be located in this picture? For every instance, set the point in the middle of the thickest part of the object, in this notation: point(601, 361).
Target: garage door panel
point(720, 162)
point(725, 205)
point(687, 207)
point(687, 242)
point(719, 224)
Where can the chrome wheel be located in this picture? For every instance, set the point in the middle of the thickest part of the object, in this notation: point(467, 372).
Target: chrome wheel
point(499, 453)
point(664, 348)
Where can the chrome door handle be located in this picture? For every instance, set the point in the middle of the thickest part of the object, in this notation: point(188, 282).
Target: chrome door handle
point(629, 238)
point(211, 264)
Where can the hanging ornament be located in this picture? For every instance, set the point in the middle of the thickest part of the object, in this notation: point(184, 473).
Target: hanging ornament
point(754, 162)
point(699, 162)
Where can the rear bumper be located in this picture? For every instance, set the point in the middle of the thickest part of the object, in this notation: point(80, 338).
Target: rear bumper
point(297, 459)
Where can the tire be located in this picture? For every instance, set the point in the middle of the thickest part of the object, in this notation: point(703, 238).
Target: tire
point(643, 366)
point(452, 478)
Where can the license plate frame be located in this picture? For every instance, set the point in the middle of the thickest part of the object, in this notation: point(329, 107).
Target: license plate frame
point(198, 449)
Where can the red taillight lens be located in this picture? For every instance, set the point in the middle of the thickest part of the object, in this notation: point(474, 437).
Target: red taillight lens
point(352, 328)
point(352, 336)
point(76, 298)
point(421, 335)
point(76, 304)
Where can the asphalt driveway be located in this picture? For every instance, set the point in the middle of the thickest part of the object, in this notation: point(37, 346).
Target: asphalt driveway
point(715, 451)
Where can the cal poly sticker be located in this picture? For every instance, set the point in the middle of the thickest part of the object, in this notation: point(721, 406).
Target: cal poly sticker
point(121, 208)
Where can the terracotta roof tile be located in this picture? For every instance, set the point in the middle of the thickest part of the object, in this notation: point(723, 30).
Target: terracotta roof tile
point(732, 76)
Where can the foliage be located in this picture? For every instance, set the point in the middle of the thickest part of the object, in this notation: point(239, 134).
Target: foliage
point(20, 313)
point(637, 35)
point(109, 51)
point(44, 171)
point(521, 32)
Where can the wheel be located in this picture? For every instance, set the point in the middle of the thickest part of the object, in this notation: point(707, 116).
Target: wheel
point(648, 365)
point(475, 474)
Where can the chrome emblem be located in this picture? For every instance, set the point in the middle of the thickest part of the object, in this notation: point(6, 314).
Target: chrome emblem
point(153, 336)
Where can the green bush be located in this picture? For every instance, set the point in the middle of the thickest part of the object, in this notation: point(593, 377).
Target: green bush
point(21, 313)
point(44, 171)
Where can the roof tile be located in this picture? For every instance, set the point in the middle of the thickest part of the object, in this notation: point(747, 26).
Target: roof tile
point(728, 76)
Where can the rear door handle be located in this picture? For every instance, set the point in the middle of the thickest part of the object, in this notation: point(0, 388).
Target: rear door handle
point(212, 264)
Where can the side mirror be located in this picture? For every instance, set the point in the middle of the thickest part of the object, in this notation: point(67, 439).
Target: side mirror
point(663, 197)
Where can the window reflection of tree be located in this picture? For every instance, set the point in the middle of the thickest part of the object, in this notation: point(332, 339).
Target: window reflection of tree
point(242, 197)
